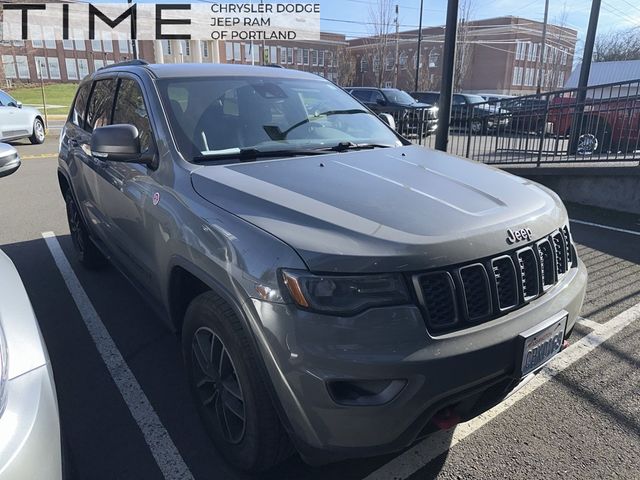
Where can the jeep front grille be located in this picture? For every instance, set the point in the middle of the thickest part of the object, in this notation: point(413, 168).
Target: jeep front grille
point(480, 291)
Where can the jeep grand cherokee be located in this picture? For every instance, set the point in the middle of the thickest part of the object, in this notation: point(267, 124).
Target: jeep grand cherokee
point(336, 288)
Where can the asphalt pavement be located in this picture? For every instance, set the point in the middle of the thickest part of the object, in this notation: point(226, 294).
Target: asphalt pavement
point(581, 419)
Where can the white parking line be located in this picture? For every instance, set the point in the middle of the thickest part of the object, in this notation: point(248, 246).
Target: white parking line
point(589, 323)
point(418, 456)
point(606, 227)
point(162, 447)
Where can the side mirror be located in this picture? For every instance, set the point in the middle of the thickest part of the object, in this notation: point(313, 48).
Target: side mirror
point(118, 143)
point(9, 160)
point(15, 104)
point(388, 119)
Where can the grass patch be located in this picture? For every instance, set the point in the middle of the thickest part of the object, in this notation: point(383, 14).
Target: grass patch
point(56, 94)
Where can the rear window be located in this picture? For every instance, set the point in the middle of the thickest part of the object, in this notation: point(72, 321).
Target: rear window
point(80, 105)
point(362, 95)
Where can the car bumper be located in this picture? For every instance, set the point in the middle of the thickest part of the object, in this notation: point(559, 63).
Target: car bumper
point(30, 445)
point(470, 370)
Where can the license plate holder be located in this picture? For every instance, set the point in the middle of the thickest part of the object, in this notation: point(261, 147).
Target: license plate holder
point(540, 344)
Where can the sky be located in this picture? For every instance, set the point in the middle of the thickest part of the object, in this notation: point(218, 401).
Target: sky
point(347, 16)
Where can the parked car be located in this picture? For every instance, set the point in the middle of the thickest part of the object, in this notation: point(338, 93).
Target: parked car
point(327, 276)
point(30, 445)
point(18, 121)
point(495, 98)
point(412, 117)
point(528, 114)
point(606, 124)
point(470, 111)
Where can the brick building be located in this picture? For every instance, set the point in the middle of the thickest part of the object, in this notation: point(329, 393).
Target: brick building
point(325, 57)
point(500, 55)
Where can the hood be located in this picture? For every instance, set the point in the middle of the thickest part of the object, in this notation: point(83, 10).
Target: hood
point(406, 208)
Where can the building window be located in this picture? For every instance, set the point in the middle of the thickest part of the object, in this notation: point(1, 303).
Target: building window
point(251, 51)
point(9, 66)
point(528, 77)
point(123, 44)
point(388, 62)
point(305, 56)
point(273, 54)
point(561, 79)
point(376, 63)
point(205, 49)
point(290, 56)
point(364, 64)
point(237, 52)
point(49, 38)
point(299, 56)
point(54, 68)
point(23, 66)
point(83, 68)
point(517, 76)
point(37, 43)
point(434, 56)
point(402, 60)
point(314, 57)
point(18, 43)
point(564, 56)
point(388, 84)
point(545, 53)
point(72, 71)
point(185, 48)
point(166, 47)
point(96, 45)
point(228, 48)
point(98, 64)
point(321, 58)
point(67, 44)
point(107, 42)
point(520, 48)
point(283, 55)
point(41, 68)
point(79, 40)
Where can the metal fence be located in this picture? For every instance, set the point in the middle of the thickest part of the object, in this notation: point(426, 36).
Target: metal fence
point(553, 127)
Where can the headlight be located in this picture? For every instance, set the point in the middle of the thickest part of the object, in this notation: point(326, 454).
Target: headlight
point(344, 294)
point(4, 371)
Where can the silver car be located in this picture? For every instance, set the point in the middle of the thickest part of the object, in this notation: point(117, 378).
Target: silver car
point(30, 445)
point(18, 121)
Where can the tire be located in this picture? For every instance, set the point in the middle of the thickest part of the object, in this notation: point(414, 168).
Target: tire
point(229, 380)
point(477, 127)
point(37, 137)
point(88, 254)
point(593, 138)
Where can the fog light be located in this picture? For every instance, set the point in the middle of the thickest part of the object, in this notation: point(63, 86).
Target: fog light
point(365, 392)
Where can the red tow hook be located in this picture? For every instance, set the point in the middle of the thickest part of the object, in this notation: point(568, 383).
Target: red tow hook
point(565, 344)
point(445, 419)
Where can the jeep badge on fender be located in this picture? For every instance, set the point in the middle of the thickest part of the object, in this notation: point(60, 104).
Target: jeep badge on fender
point(519, 235)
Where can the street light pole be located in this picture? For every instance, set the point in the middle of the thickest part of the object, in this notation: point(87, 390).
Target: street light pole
point(446, 90)
point(415, 89)
point(544, 47)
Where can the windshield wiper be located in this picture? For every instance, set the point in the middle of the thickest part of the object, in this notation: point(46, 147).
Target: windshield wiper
point(344, 146)
point(275, 133)
point(250, 154)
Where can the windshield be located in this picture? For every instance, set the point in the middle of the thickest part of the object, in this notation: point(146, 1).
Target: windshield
point(475, 99)
point(224, 115)
point(399, 97)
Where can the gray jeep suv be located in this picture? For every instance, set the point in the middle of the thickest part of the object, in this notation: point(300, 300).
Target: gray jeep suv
point(336, 288)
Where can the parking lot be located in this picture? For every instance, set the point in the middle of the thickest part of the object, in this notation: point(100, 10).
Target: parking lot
point(126, 412)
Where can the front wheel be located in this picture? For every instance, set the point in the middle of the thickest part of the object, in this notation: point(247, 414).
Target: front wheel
point(228, 387)
point(37, 137)
point(593, 138)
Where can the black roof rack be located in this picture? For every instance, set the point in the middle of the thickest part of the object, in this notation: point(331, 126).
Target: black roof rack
point(128, 63)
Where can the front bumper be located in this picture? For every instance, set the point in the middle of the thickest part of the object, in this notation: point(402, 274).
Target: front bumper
point(30, 444)
point(471, 369)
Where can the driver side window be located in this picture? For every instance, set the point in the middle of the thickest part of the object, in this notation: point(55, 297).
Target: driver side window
point(5, 99)
point(130, 109)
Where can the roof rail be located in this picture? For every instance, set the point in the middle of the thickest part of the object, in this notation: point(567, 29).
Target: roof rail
point(125, 64)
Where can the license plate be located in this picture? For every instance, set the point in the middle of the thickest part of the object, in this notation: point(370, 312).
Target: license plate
point(541, 343)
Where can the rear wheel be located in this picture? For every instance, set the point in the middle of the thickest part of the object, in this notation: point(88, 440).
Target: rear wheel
point(593, 138)
point(37, 137)
point(88, 253)
point(228, 387)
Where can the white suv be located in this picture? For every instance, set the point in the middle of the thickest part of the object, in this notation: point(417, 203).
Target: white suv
point(17, 121)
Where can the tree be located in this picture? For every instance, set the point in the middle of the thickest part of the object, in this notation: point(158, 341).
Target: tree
point(464, 47)
point(381, 37)
point(618, 45)
point(346, 67)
